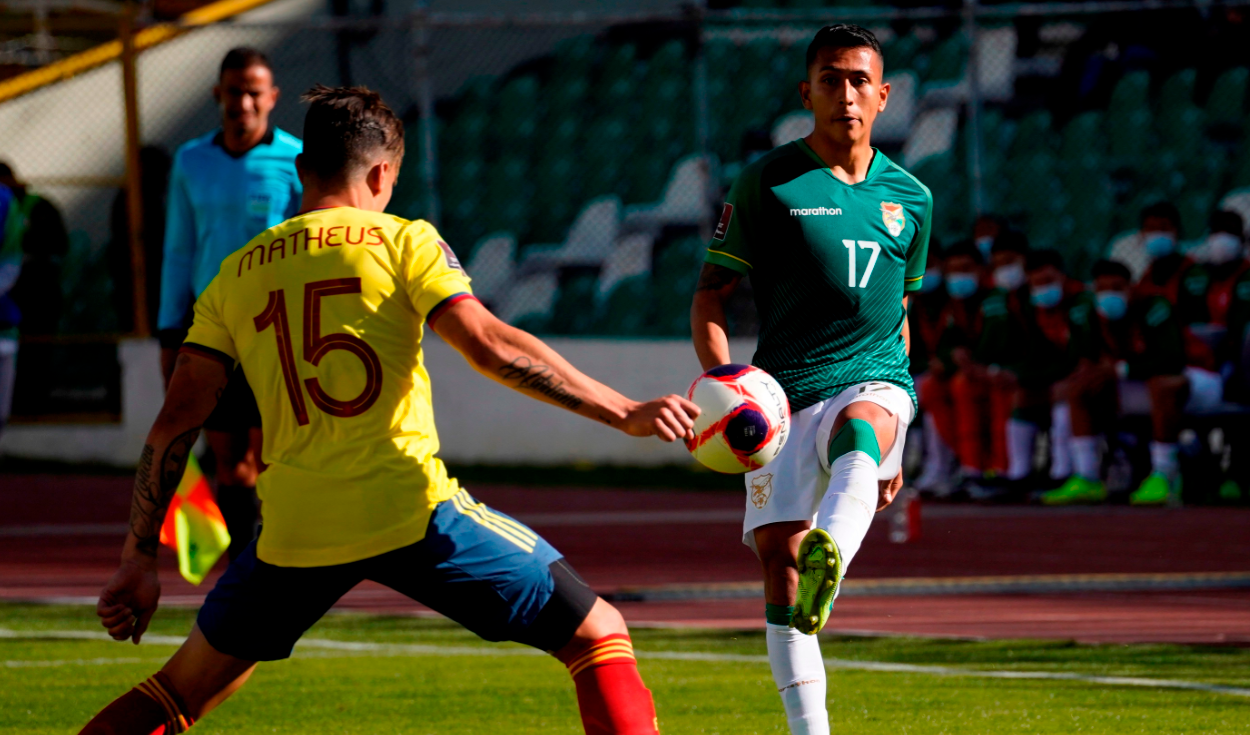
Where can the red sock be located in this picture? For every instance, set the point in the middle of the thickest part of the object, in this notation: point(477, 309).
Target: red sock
point(152, 708)
point(610, 693)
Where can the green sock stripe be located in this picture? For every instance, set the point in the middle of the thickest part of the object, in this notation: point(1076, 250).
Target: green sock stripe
point(856, 435)
point(778, 614)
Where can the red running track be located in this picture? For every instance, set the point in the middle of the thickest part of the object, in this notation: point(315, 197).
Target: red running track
point(643, 538)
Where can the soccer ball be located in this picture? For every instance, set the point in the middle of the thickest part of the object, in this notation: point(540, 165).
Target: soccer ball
point(745, 418)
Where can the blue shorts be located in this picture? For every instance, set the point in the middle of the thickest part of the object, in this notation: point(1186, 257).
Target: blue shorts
point(478, 567)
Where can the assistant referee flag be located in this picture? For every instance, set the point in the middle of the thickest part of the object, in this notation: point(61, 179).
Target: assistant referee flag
point(194, 526)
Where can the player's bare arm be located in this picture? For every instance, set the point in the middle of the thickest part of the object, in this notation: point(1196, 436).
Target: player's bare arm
point(524, 363)
point(708, 324)
point(130, 597)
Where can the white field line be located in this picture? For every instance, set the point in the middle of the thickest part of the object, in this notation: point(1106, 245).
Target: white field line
point(325, 647)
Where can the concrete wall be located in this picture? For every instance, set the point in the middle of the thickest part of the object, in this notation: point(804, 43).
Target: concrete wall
point(479, 421)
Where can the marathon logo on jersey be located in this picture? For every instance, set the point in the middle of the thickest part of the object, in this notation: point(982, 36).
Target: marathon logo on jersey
point(892, 215)
point(452, 260)
point(722, 227)
point(815, 210)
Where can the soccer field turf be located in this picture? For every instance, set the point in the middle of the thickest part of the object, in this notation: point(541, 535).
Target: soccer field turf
point(360, 674)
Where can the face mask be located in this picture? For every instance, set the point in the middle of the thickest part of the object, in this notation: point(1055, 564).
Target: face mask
point(984, 244)
point(1224, 247)
point(961, 285)
point(1111, 304)
point(1046, 297)
point(1159, 244)
point(932, 280)
point(1009, 277)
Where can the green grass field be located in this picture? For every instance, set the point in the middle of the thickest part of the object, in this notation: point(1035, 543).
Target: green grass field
point(403, 675)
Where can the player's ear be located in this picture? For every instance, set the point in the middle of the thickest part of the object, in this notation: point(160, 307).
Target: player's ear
point(377, 176)
point(885, 95)
point(805, 94)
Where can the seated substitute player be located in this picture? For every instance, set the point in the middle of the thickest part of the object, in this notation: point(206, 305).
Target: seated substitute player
point(834, 237)
point(324, 312)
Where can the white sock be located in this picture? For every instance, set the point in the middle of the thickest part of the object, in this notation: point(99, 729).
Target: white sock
point(1163, 459)
point(799, 674)
point(1085, 457)
point(1020, 438)
point(850, 502)
point(1060, 441)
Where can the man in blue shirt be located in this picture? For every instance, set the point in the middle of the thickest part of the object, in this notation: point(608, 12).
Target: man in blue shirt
point(225, 188)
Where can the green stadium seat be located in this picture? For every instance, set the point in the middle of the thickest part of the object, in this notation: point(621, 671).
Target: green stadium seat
point(1083, 139)
point(566, 96)
point(1226, 104)
point(1195, 206)
point(629, 308)
point(947, 60)
point(561, 135)
point(516, 116)
point(1129, 134)
point(1130, 96)
point(621, 63)
point(557, 192)
point(574, 56)
point(646, 173)
point(1178, 89)
point(722, 58)
point(605, 149)
point(574, 310)
point(1180, 129)
point(901, 53)
point(464, 136)
point(759, 60)
point(507, 196)
point(1032, 133)
point(477, 96)
point(675, 277)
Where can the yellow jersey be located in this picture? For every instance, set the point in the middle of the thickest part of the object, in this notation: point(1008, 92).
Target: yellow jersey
point(325, 313)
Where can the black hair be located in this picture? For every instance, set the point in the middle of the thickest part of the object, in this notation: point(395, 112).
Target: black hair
point(1038, 259)
point(243, 57)
point(1164, 209)
point(344, 128)
point(964, 249)
point(1113, 268)
point(1010, 241)
point(843, 35)
point(1225, 220)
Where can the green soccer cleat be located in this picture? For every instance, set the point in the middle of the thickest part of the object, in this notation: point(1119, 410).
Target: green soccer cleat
point(1076, 491)
point(820, 573)
point(1230, 491)
point(1156, 490)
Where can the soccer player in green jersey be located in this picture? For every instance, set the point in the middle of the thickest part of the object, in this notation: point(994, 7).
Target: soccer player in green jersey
point(833, 236)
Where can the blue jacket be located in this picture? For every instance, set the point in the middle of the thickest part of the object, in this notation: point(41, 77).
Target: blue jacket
point(217, 202)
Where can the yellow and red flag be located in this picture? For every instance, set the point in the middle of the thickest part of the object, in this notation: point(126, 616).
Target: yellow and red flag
point(194, 525)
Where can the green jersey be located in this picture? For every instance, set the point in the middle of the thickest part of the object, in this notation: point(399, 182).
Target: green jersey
point(829, 263)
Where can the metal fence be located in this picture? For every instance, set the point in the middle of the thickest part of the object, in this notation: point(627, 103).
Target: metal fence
point(576, 162)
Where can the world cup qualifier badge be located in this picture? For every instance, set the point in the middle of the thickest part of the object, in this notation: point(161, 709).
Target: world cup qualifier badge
point(452, 260)
point(722, 227)
point(892, 214)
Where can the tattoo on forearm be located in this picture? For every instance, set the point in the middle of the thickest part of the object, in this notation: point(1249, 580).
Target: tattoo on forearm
point(154, 488)
point(715, 277)
point(538, 378)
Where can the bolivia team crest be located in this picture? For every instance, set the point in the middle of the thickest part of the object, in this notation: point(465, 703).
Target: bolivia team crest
point(761, 490)
point(892, 214)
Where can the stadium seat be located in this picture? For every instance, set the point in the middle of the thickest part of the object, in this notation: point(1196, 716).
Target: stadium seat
point(530, 298)
point(629, 308)
point(1226, 104)
point(1032, 132)
point(645, 174)
point(901, 53)
point(685, 200)
point(798, 124)
point(630, 256)
point(1180, 129)
point(491, 265)
point(675, 277)
point(1130, 96)
point(1129, 134)
point(893, 125)
point(588, 243)
point(1178, 89)
point(508, 190)
point(605, 148)
point(557, 190)
point(573, 312)
point(932, 135)
point(996, 56)
point(947, 61)
point(565, 96)
point(1083, 139)
point(1195, 206)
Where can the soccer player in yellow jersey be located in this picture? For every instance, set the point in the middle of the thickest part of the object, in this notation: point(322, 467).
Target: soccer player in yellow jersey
point(325, 314)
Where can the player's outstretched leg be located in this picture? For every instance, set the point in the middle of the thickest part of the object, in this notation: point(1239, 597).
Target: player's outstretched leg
point(611, 696)
point(192, 683)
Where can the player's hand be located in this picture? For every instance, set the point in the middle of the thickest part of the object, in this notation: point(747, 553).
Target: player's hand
point(887, 490)
point(129, 600)
point(670, 418)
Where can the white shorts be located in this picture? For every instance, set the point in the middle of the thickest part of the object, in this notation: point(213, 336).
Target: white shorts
point(1206, 393)
point(791, 487)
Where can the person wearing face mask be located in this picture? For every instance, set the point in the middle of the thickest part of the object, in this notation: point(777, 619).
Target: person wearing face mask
point(1172, 275)
point(1051, 309)
point(960, 405)
point(1007, 256)
point(985, 232)
point(1131, 359)
point(925, 320)
point(1228, 298)
point(1159, 227)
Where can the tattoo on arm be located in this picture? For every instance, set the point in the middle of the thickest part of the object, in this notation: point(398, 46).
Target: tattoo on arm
point(716, 277)
point(154, 488)
point(538, 378)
